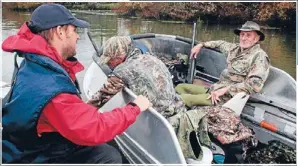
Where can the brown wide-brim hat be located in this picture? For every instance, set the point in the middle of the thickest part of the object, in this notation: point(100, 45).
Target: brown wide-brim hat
point(250, 26)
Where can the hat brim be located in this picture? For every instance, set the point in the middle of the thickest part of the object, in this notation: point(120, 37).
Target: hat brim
point(80, 23)
point(262, 36)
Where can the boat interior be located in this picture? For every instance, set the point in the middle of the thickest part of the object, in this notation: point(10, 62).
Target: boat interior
point(152, 140)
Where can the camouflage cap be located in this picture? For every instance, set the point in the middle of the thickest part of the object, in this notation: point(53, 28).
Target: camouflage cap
point(250, 26)
point(115, 46)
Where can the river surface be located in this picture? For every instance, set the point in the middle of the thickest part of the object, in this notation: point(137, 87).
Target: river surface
point(280, 46)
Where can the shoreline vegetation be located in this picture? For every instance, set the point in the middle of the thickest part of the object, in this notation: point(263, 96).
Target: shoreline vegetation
point(277, 15)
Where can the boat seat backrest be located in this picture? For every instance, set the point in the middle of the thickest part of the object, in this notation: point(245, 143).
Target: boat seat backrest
point(280, 83)
point(280, 88)
point(211, 61)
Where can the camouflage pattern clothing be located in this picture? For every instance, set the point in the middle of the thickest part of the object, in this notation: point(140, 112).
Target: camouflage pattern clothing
point(146, 75)
point(225, 125)
point(274, 153)
point(246, 70)
point(112, 86)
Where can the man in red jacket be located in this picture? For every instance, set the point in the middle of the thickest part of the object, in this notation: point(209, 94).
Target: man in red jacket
point(51, 35)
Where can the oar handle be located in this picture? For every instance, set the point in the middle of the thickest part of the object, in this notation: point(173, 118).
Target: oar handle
point(192, 61)
point(268, 126)
point(93, 43)
point(193, 34)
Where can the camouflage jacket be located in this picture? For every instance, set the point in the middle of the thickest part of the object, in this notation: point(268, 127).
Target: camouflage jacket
point(146, 75)
point(246, 71)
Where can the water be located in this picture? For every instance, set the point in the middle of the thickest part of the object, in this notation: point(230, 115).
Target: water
point(280, 46)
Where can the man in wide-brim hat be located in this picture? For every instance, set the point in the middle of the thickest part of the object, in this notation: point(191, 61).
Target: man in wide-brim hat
point(247, 68)
point(250, 34)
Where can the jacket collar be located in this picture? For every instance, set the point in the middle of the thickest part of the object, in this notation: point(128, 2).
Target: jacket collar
point(28, 42)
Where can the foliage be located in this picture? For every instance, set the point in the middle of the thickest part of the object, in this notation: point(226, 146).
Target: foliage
point(29, 6)
point(89, 5)
point(270, 13)
point(278, 14)
point(274, 14)
point(269, 10)
point(21, 5)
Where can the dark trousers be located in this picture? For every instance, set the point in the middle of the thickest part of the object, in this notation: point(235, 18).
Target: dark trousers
point(101, 154)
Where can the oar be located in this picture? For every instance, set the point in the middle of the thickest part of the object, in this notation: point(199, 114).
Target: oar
point(192, 61)
point(94, 44)
point(269, 126)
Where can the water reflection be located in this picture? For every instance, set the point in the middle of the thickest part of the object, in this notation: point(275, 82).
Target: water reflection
point(280, 46)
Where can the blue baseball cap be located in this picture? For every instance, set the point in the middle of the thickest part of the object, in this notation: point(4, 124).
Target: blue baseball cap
point(48, 16)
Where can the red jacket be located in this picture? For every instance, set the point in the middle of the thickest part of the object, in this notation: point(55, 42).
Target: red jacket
point(66, 113)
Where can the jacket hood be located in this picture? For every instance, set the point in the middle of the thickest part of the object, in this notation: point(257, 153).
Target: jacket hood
point(28, 42)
